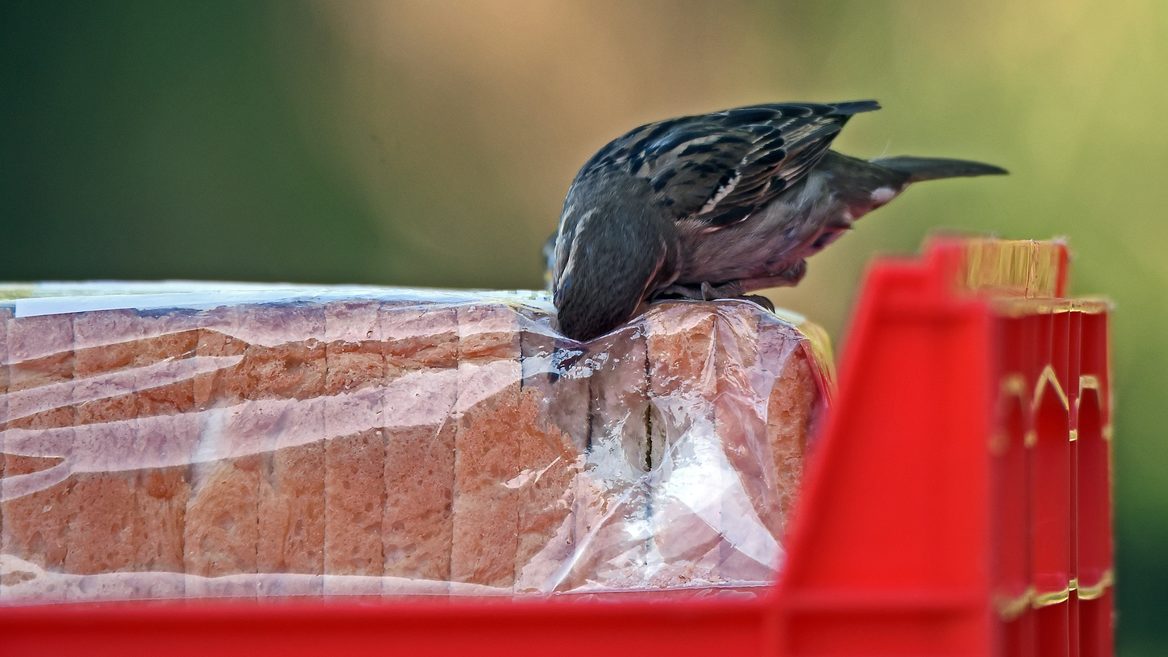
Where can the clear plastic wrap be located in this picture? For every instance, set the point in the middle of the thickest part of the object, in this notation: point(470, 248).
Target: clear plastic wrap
point(193, 441)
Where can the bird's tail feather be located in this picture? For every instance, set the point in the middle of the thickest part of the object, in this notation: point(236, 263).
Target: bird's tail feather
point(850, 107)
point(932, 168)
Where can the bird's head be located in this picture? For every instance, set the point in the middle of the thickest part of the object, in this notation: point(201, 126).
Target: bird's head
point(613, 248)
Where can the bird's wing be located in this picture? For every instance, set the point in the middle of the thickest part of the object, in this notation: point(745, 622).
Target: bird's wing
point(717, 169)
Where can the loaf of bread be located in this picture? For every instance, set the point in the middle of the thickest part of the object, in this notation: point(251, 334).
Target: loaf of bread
point(377, 442)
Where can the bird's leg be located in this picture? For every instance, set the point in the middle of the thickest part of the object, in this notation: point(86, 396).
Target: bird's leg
point(708, 292)
point(733, 290)
point(704, 291)
point(681, 292)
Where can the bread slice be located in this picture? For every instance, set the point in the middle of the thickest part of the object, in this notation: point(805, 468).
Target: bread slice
point(38, 506)
point(285, 363)
point(103, 529)
point(167, 435)
point(221, 535)
point(354, 474)
point(796, 402)
point(486, 448)
point(748, 550)
point(419, 425)
point(688, 475)
point(6, 579)
point(553, 407)
point(612, 492)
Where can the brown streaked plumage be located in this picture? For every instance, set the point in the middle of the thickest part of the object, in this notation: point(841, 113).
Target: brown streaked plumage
point(714, 206)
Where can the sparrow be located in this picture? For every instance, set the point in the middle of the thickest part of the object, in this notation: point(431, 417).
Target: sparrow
point(715, 206)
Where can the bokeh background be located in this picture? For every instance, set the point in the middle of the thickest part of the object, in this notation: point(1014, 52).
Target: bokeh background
point(431, 143)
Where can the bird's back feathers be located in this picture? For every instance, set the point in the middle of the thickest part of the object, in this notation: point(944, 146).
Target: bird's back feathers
point(718, 169)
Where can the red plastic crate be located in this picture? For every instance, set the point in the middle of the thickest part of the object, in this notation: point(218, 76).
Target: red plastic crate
point(958, 503)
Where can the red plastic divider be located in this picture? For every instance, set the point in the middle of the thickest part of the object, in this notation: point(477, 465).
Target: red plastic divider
point(958, 503)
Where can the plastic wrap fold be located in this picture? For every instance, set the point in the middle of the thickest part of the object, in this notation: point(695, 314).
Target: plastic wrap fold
point(193, 441)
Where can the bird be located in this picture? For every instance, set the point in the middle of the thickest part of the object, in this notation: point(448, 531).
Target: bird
point(716, 206)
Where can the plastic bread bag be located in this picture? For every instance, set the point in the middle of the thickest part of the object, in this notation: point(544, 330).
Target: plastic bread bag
point(168, 441)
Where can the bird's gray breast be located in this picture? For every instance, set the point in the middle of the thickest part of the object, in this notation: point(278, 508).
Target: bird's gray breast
point(796, 224)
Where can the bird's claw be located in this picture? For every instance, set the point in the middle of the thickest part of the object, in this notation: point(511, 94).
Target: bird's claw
point(759, 299)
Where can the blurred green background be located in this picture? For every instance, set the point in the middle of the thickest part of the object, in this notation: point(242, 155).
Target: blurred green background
point(423, 143)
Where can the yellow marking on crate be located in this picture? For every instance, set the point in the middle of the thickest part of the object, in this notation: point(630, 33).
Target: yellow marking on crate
point(1048, 376)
